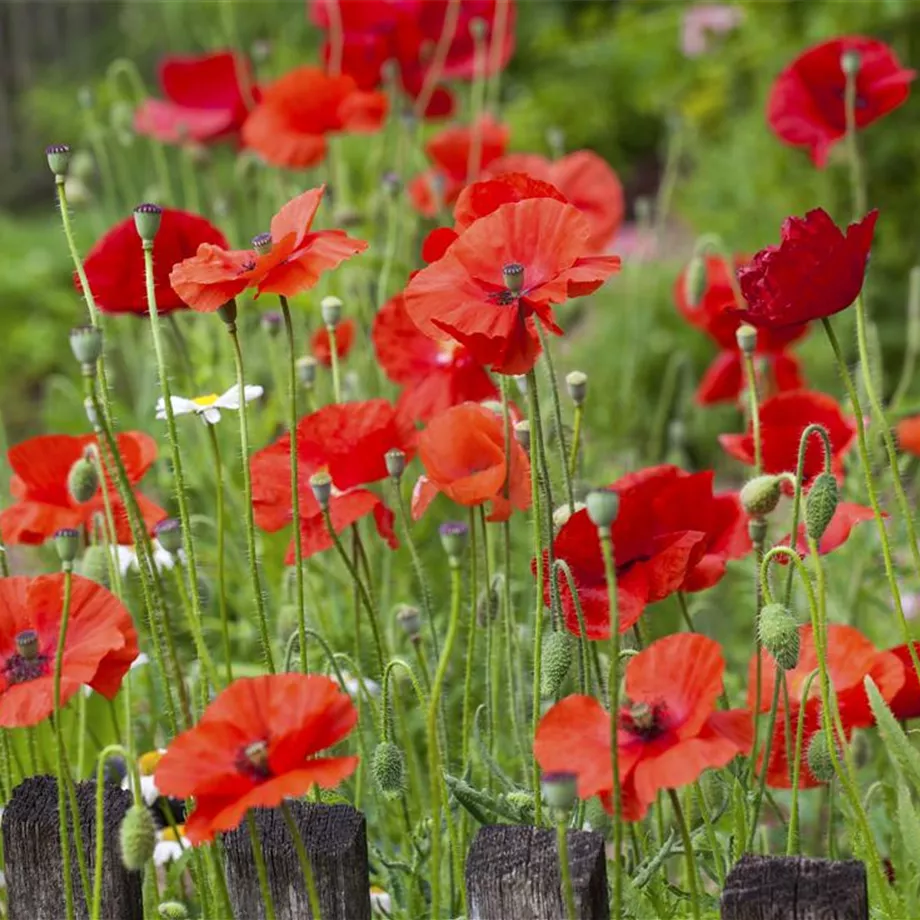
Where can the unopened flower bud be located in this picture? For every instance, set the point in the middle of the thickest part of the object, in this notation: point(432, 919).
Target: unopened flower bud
point(330, 309)
point(779, 635)
point(557, 659)
point(820, 505)
point(513, 276)
point(58, 158)
point(695, 281)
point(409, 619)
point(82, 480)
point(138, 837)
point(227, 312)
point(262, 243)
point(603, 505)
point(169, 533)
point(576, 383)
point(522, 434)
point(388, 766)
point(395, 460)
point(820, 757)
point(321, 484)
point(147, 221)
point(761, 495)
point(850, 62)
point(271, 323)
point(306, 370)
point(86, 344)
point(173, 910)
point(454, 537)
point(746, 337)
point(94, 565)
point(67, 544)
point(560, 790)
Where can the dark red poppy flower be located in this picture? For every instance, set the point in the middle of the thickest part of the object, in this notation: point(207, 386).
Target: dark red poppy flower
point(783, 418)
point(851, 657)
point(255, 746)
point(806, 107)
point(502, 276)
point(451, 152)
point(905, 704)
point(672, 533)
point(99, 646)
point(584, 179)
point(716, 314)
point(669, 729)
point(43, 503)
point(321, 346)
point(815, 272)
point(349, 441)
point(846, 516)
point(289, 126)
point(463, 453)
point(293, 264)
point(115, 265)
point(434, 375)
point(207, 99)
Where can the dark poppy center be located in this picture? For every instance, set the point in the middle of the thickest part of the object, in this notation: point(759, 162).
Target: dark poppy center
point(504, 298)
point(26, 663)
point(646, 721)
point(252, 761)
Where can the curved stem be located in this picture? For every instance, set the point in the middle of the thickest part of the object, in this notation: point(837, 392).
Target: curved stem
point(221, 575)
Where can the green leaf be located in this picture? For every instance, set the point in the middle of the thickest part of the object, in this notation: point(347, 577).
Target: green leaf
point(896, 742)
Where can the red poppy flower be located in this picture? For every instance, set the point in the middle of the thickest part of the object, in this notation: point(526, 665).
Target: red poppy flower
point(783, 418)
point(535, 246)
point(293, 264)
point(851, 657)
point(98, 650)
point(463, 453)
point(43, 503)
point(806, 107)
point(716, 314)
point(905, 704)
point(846, 516)
point(207, 98)
point(347, 440)
point(255, 746)
point(671, 534)
point(320, 344)
point(584, 179)
point(115, 264)
point(435, 375)
point(451, 153)
point(288, 127)
point(908, 434)
point(815, 272)
point(669, 730)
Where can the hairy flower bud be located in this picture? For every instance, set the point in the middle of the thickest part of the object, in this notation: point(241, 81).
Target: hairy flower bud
point(820, 757)
point(147, 219)
point(330, 309)
point(94, 565)
point(557, 659)
point(603, 505)
point(576, 382)
point(820, 505)
point(173, 910)
point(695, 281)
point(388, 766)
point(779, 635)
point(82, 480)
point(761, 495)
point(409, 620)
point(138, 837)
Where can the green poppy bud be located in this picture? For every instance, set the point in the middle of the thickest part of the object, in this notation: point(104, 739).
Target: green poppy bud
point(173, 910)
point(695, 281)
point(557, 659)
point(94, 565)
point(820, 757)
point(820, 505)
point(83, 480)
point(389, 769)
point(138, 837)
point(761, 495)
point(779, 635)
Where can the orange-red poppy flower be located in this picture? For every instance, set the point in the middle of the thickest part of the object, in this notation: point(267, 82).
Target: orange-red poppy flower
point(501, 276)
point(585, 179)
point(321, 346)
point(463, 453)
point(846, 516)
point(255, 746)
point(669, 730)
point(435, 375)
point(289, 126)
point(99, 647)
point(296, 256)
point(44, 504)
point(908, 433)
point(115, 265)
point(851, 657)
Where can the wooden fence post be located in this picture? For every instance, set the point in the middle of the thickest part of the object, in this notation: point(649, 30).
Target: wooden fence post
point(335, 837)
point(32, 852)
point(795, 888)
point(513, 871)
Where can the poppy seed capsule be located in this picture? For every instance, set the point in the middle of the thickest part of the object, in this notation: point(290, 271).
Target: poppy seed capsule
point(138, 838)
point(262, 243)
point(321, 484)
point(58, 158)
point(779, 635)
point(86, 344)
point(576, 383)
point(67, 544)
point(695, 281)
point(306, 370)
point(395, 460)
point(147, 221)
point(603, 505)
point(271, 323)
point(820, 757)
point(557, 659)
point(173, 910)
point(454, 537)
point(227, 312)
point(559, 790)
point(169, 533)
point(82, 480)
point(761, 495)
point(389, 768)
point(746, 337)
point(409, 619)
point(330, 309)
point(850, 62)
point(820, 505)
point(94, 565)
point(513, 276)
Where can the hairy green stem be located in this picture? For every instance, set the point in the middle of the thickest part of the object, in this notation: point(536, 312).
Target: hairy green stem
point(221, 573)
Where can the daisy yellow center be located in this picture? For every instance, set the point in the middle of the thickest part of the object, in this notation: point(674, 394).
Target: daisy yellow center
point(173, 834)
point(205, 401)
point(147, 763)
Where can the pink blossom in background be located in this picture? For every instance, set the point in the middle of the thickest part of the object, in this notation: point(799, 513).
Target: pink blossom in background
point(703, 20)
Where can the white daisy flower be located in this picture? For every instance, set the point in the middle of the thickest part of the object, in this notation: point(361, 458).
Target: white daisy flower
point(169, 847)
point(146, 766)
point(352, 685)
point(207, 408)
point(126, 557)
point(380, 902)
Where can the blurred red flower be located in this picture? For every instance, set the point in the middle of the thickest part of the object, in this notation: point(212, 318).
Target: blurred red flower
point(815, 272)
point(115, 265)
point(908, 434)
point(434, 375)
point(320, 344)
point(44, 504)
point(783, 418)
point(672, 533)
point(255, 746)
point(348, 441)
point(293, 264)
point(288, 127)
point(536, 246)
point(851, 657)
point(846, 516)
point(669, 730)
point(806, 107)
point(717, 315)
point(905, 704)
point(463, 453)
point(207, 99)
point(99, 646)
point(453, 152)
point(584, 179)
